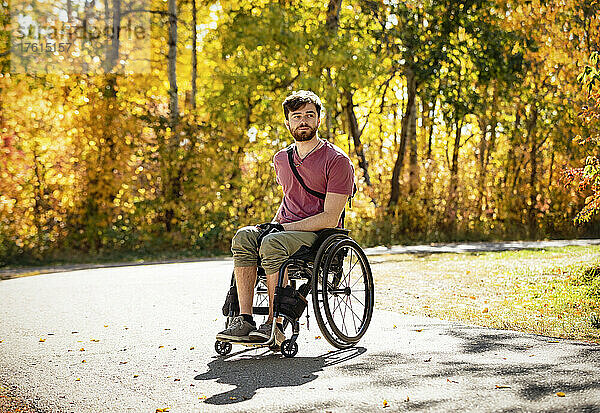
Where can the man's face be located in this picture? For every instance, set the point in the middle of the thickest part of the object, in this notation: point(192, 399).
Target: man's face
point(303, 122)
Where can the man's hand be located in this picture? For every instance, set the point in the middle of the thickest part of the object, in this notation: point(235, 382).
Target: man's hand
point(269, 226)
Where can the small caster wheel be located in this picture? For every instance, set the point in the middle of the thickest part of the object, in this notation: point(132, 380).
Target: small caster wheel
point(222, 347)
point(288, 349)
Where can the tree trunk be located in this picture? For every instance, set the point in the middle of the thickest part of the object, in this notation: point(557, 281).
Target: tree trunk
point(452, 200)
point(483, 145)
point(533, 193)
point(171, 187)
point(397, 171)
point(413, 175)
point(333, 15)
point(101, 185)
point(194, 55)
point(172, 66)
point(355, 133)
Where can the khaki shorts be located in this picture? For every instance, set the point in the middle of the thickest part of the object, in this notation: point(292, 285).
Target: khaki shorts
point(275, 248)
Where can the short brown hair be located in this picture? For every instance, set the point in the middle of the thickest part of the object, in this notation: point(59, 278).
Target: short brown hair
point(300, 98)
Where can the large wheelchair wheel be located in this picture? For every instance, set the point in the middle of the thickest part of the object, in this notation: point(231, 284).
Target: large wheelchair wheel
point(343, 292)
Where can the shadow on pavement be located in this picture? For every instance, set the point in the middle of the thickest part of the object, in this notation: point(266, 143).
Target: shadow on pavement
point(250, 373)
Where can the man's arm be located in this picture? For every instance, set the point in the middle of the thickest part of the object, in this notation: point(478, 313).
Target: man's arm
point(329, 218)
point(277, 213)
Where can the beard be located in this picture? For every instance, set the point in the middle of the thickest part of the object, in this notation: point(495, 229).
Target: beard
point(302, 135)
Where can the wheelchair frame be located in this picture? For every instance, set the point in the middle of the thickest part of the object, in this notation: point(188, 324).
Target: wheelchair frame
point(322, 266)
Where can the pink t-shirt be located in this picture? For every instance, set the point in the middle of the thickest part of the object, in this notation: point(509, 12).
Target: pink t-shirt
point(328, 169)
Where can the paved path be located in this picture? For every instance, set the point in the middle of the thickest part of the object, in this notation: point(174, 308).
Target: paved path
point(141, 338)
point(433, 248)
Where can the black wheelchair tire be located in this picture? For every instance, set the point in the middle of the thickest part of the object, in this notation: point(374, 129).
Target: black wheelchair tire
point(364, 319)
point(317, 292)
point(288, 349)
point(223, 347)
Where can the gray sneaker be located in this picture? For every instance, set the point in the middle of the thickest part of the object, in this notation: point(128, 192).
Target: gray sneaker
point(238, 330)
point(264, 333)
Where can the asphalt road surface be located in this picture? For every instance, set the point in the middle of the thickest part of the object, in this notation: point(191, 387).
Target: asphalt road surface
point(141, 338)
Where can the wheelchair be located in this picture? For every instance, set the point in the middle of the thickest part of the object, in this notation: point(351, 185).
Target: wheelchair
point(335, 272)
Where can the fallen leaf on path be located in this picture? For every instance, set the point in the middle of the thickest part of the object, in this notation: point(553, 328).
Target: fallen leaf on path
point(77, 379)
point(560, 394)
point(407, 399)
point(81, 349)
point(135, 376)
point(385, 404)
point(105, 326)
point(451, 381)
point(191, 348)
point(418, 331)
point(317, 337)
point(123, 362)
point(177, 380)
point(165, 409)
point(161, 346)
point(83, 361)
point(485, 310)
point(203, 397)
point(42, 340)
point(233, 398)
point(502, 387)
point(94, 340)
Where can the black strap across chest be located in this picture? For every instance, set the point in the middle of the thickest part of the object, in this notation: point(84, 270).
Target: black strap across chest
point(290, 154)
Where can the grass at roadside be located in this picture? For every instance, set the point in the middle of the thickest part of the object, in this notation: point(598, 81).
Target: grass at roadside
point(553, 292)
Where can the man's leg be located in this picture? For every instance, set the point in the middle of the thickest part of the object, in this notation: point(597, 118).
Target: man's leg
point(245, 279)
point(271, 284)
point(275, 249)
point(244, 247)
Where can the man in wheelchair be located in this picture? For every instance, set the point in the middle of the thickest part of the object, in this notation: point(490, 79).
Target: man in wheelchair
point(314, 195)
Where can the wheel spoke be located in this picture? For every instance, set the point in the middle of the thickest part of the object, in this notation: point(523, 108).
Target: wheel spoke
point(357, 280)
point(357, 316)
point(338, 306)
point(344, 319)
point(358, 300)
point(350, 301)
point(353, 265)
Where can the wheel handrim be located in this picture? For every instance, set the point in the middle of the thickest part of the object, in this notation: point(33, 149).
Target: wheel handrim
point(317, 293)
point(348, 296)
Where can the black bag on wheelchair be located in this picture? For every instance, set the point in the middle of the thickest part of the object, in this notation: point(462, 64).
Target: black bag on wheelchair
point(231, 302)
point(289, 302)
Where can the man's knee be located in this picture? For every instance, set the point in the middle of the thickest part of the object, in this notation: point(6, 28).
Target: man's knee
point(272, 252)
point(244, 246)
point(244, 238)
